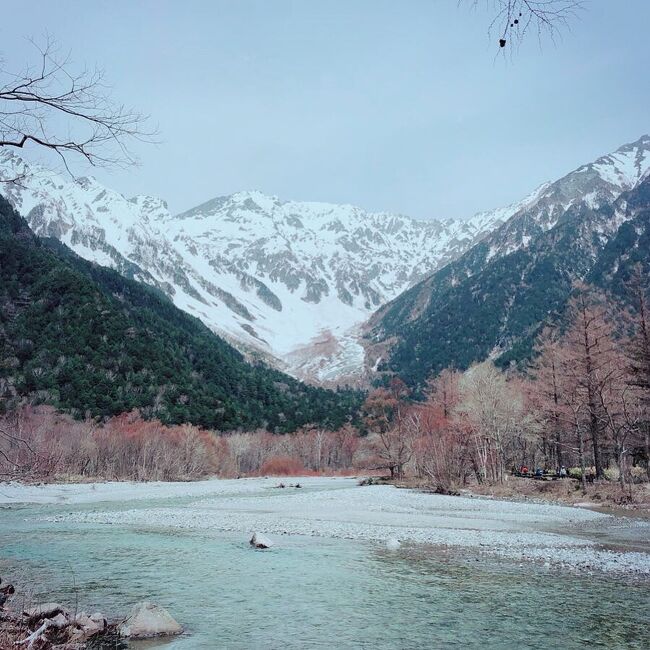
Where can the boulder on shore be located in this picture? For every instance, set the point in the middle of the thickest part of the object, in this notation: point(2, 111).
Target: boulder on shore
point(260, 541)
point(148, 620)
point(88, 626)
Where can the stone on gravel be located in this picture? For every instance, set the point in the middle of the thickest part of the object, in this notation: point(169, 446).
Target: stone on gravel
point(392, 544)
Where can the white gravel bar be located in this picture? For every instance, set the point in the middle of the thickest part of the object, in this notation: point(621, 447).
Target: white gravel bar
point(337, 507)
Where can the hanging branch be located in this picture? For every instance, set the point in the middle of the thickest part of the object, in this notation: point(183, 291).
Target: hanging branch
point(51, 106)
point(515, 19)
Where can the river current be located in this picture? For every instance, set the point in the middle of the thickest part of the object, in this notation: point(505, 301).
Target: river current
point(314, 592)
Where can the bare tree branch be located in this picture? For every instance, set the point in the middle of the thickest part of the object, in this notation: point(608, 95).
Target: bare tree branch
point(52, 106)
point(515, 19)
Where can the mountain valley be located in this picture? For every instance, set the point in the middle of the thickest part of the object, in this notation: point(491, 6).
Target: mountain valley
point(331, 293)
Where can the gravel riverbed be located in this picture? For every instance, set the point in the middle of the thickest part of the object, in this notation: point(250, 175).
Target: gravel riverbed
point(558, 536)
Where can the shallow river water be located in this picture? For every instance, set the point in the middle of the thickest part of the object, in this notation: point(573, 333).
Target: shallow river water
point(315, 592)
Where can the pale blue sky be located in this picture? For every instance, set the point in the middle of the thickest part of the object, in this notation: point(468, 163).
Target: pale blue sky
point(390, 105)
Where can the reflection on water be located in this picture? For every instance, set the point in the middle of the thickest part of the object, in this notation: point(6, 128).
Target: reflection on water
point(318, 593)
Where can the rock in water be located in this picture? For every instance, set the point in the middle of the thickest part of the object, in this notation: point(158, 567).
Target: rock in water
point(147, 620)
point(392, 544)
point(260, 541)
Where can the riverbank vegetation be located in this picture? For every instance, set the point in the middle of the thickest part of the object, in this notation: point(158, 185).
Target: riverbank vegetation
point(581, 410)
point(579, 413)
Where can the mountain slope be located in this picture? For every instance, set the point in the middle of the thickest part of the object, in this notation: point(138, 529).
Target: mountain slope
point(86, 339)
point(288, 279)
point(493, 300)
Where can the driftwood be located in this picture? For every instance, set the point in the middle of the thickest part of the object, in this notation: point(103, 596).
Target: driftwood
point(58, 622)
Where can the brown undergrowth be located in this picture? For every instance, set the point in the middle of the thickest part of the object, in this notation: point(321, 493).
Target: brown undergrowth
point(633, 500)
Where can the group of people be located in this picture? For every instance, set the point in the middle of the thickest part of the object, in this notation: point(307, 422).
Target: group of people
point(560, 472)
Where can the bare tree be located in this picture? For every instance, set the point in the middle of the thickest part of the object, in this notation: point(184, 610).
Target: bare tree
point(51, 105)
point(516, 19)
point(441, 451)
point(443, 391)
point(547, 394)
point(622, 415)
point(591, 361)
point(385, 418)
point(320, 435)
point(494, 412)
point(574, 419)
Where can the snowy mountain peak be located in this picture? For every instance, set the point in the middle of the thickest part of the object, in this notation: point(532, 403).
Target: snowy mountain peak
point(254, 201)
point(623, 168)
point(292, 280)
point(588, 187)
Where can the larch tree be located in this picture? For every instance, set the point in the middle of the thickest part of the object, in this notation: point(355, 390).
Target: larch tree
point(443, 392)
point(386, 417)
point(589, 352)
point(548, 392)
point(441, 447)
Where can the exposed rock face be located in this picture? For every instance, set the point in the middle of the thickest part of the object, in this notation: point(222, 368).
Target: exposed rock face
point(148, 620)
point(260, 541)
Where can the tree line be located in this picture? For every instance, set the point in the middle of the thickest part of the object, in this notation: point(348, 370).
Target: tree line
point(582, 406)
point(40, 443)
point(582, 403)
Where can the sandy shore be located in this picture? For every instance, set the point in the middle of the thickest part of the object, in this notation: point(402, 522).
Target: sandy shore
point(336, 507)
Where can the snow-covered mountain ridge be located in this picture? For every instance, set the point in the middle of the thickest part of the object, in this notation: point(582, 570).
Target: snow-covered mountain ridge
point(492, 300)
point(293, 280)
